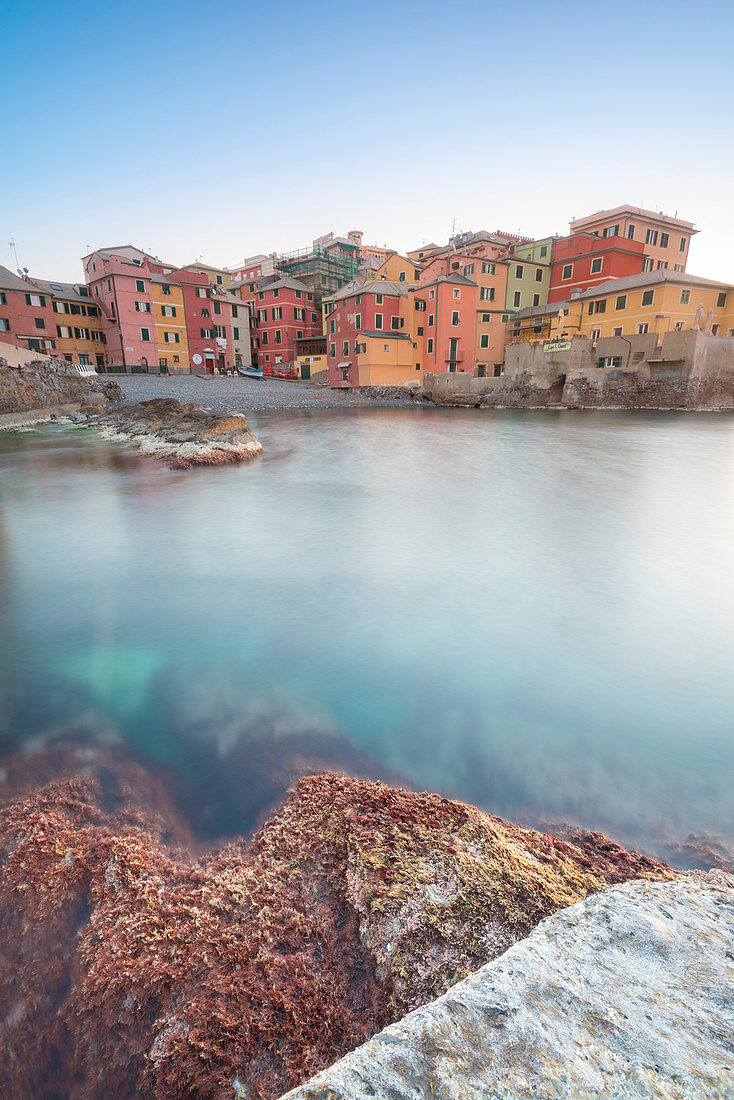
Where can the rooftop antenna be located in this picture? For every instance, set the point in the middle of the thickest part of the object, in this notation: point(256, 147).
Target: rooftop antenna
point(13, 244)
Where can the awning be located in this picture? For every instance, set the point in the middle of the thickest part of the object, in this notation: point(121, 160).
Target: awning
point(342, 365)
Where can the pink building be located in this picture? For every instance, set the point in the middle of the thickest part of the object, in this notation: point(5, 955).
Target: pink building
point(119, 281)
point(27, 319)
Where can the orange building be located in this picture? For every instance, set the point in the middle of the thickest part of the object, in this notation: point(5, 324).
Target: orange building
point(449, 305)
point(666, 240)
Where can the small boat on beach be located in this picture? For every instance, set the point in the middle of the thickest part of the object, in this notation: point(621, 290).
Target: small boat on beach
point(249, 372)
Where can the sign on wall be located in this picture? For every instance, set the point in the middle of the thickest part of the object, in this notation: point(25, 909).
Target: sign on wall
point(196, 359)
point(557, 345)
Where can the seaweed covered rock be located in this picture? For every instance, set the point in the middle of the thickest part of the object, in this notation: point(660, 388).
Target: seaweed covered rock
point(127, 968)
point(626, 994)
point(184, 435)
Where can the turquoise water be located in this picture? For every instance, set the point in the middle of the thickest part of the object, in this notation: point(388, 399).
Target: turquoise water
point(531, 611)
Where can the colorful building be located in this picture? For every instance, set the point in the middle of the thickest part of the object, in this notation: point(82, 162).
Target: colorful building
point(397, 269)
point(374, 335)
point(666, 240)
point(657, 302)
point(449, 307)
point(27, 319)
point(169, 319)
point(584, 260)
point(528, 281)
point(284, 311)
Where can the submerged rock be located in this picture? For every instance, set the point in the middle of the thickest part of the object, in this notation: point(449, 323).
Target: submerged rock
point(626, 994)
point(127, 968)
point(184, 435)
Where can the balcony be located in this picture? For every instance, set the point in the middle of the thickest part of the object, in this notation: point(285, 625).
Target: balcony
point(458, 357)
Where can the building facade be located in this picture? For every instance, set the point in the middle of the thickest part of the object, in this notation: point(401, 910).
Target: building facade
point(666, 240)
point(584, 260)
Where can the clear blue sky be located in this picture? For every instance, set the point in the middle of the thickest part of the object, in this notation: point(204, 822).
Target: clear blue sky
point(220, 130)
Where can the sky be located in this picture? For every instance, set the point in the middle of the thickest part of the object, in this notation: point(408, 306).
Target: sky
point(216, 131)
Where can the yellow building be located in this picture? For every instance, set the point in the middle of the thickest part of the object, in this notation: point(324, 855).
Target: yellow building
point(387, 359)
point(79, 335)
point(397, 269)
point(170, 325)
point(541, 322)
point(217, 275)
point(657, 302)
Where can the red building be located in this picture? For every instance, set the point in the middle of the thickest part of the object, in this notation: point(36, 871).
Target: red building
point(213, 320)
point(284, 310)
point(583, 260)
point(449, 306)
point(27, 319)
point(358, 310)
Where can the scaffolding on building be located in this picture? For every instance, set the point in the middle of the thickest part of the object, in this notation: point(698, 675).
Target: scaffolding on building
point(324, 271)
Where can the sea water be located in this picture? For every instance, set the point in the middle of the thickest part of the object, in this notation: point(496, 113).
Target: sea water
point(530, 611)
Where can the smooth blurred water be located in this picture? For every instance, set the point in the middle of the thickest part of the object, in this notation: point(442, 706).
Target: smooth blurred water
point(531, 611)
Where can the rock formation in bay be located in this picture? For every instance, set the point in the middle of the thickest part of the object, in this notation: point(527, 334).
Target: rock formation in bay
point(183, 435)
point(51, 385)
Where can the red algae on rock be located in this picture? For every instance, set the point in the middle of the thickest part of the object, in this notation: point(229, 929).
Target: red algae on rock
point(128, 969)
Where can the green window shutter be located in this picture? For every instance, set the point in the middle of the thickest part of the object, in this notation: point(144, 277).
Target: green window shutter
point(27, 299)
point(177, 339)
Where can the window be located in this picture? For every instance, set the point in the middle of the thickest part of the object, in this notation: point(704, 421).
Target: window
point(430, 320)
point(145, 334)
point(662, 264)
point(516, 299)
point(647, 265)
point(678, 267)
point(35, 300)
point(679, 326)
point(429, 344)
point(332, 351)
point(664, 240)
point(419, 331)
point(345, 348)
point(314, 318)
point(567, 271)
point(611, 231)
point(484, 340)
point(648, 297)
point(486, 294)
point(431, 293)
point(598, 307)
point(543, 252)
point(630, 232)
point(455, 317)
point(401, 277)
point(234, 311)
point(358, 321)
point(457, 293)
point(596, 265)
point(488, 269)
point(518, 271)
point(165, 289)
point(3, 298)
point(217, 307)
point(715, 329)
point(378, 299)
point(486, 318)
point(4, 324)
point(385, 347)
point(617, 331)
point(621, 302)
point(170, 337)
point(505, 318)
point(142, 307)
point(721, 300)
point(652, 237)
point(420, 305)
point(299, 294)
point(536, 299)
point(469, 269)
point(264, 339)
point(277, 313)
point(595, 335)
point(610, 361)
point(539, 274)
point(643, 329)
point(201, 292)
point(396, 322)
point(168, 311)
point(205, 313)
point(683, 243)
point(299, 314)
point(276, 293)
point(378, 319)
point(277, 336)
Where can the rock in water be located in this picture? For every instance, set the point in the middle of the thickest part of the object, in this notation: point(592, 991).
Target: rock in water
point(629, 993)
point(183, 435)
point(129, 969)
